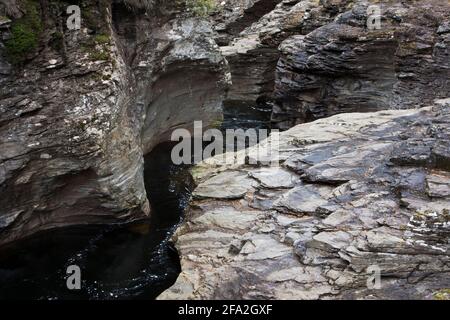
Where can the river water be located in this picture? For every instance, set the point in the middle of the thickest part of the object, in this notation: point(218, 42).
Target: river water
point(136, 261)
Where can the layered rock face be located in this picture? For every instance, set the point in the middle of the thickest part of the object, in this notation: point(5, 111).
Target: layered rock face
point(80, 108)
point(353, 193)
point(190, 82)
point(253, 54)
point(344, 67)
point(234, 16)
point(311, 59)
point(359, 206)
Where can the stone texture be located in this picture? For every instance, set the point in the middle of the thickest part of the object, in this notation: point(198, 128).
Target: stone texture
point(78, 114)
point(438, 185)
point(343, 67)
point(385, 205)
point(228, 185)
point(254, 53)
point(274, 178)
point(354, 191)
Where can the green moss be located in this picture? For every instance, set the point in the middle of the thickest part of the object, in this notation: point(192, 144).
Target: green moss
point(443, 294)
point(89, 20)
point(201, 7)
point(197, 172)
point(22, 42)
point(99, 55)
point(25, 33)
point(3, 19)
point(102, 39)
point(95, 16)
point(217, 124)
point(97, 48)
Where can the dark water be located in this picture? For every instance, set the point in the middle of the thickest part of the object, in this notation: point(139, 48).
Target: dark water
point(244, 115)
point(135, 261)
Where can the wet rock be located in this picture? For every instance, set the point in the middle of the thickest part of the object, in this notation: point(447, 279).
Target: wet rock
point(353, 191)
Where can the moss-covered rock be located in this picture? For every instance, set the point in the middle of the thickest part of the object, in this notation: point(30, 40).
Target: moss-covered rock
point(443, 294)
point(102, 39)
point(25, 33)
point(201, 7)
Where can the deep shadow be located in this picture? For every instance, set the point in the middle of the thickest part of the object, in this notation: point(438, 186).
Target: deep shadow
point(134, 261)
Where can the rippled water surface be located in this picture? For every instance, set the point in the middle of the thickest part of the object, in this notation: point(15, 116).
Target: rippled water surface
point(135, 261)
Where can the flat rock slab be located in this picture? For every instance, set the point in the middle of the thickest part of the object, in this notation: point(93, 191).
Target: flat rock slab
point(274, 178)
point(226, 185)
point(304, 199)
point(228, 218)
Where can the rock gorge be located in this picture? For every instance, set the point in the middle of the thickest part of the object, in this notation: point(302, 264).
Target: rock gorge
point(364, 162)
point(83, 108)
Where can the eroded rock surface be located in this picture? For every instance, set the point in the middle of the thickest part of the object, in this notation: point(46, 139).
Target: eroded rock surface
point(359, 192)
point(79, 111)
point(344, 67)
point(354, 192)
point(253, 55)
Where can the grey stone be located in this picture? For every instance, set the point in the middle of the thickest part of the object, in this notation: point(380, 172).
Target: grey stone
point(275, 178)
point(323, 238)
point(227, 185)
point(305, 199)
point(438, 185)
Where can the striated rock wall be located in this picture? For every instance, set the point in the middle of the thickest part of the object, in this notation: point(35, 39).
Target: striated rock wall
point(234, 16)
point(253, 55)
point(354, 193)
point(79, 109)
point(344, 67)
point(190, 83)
point(311, 59)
